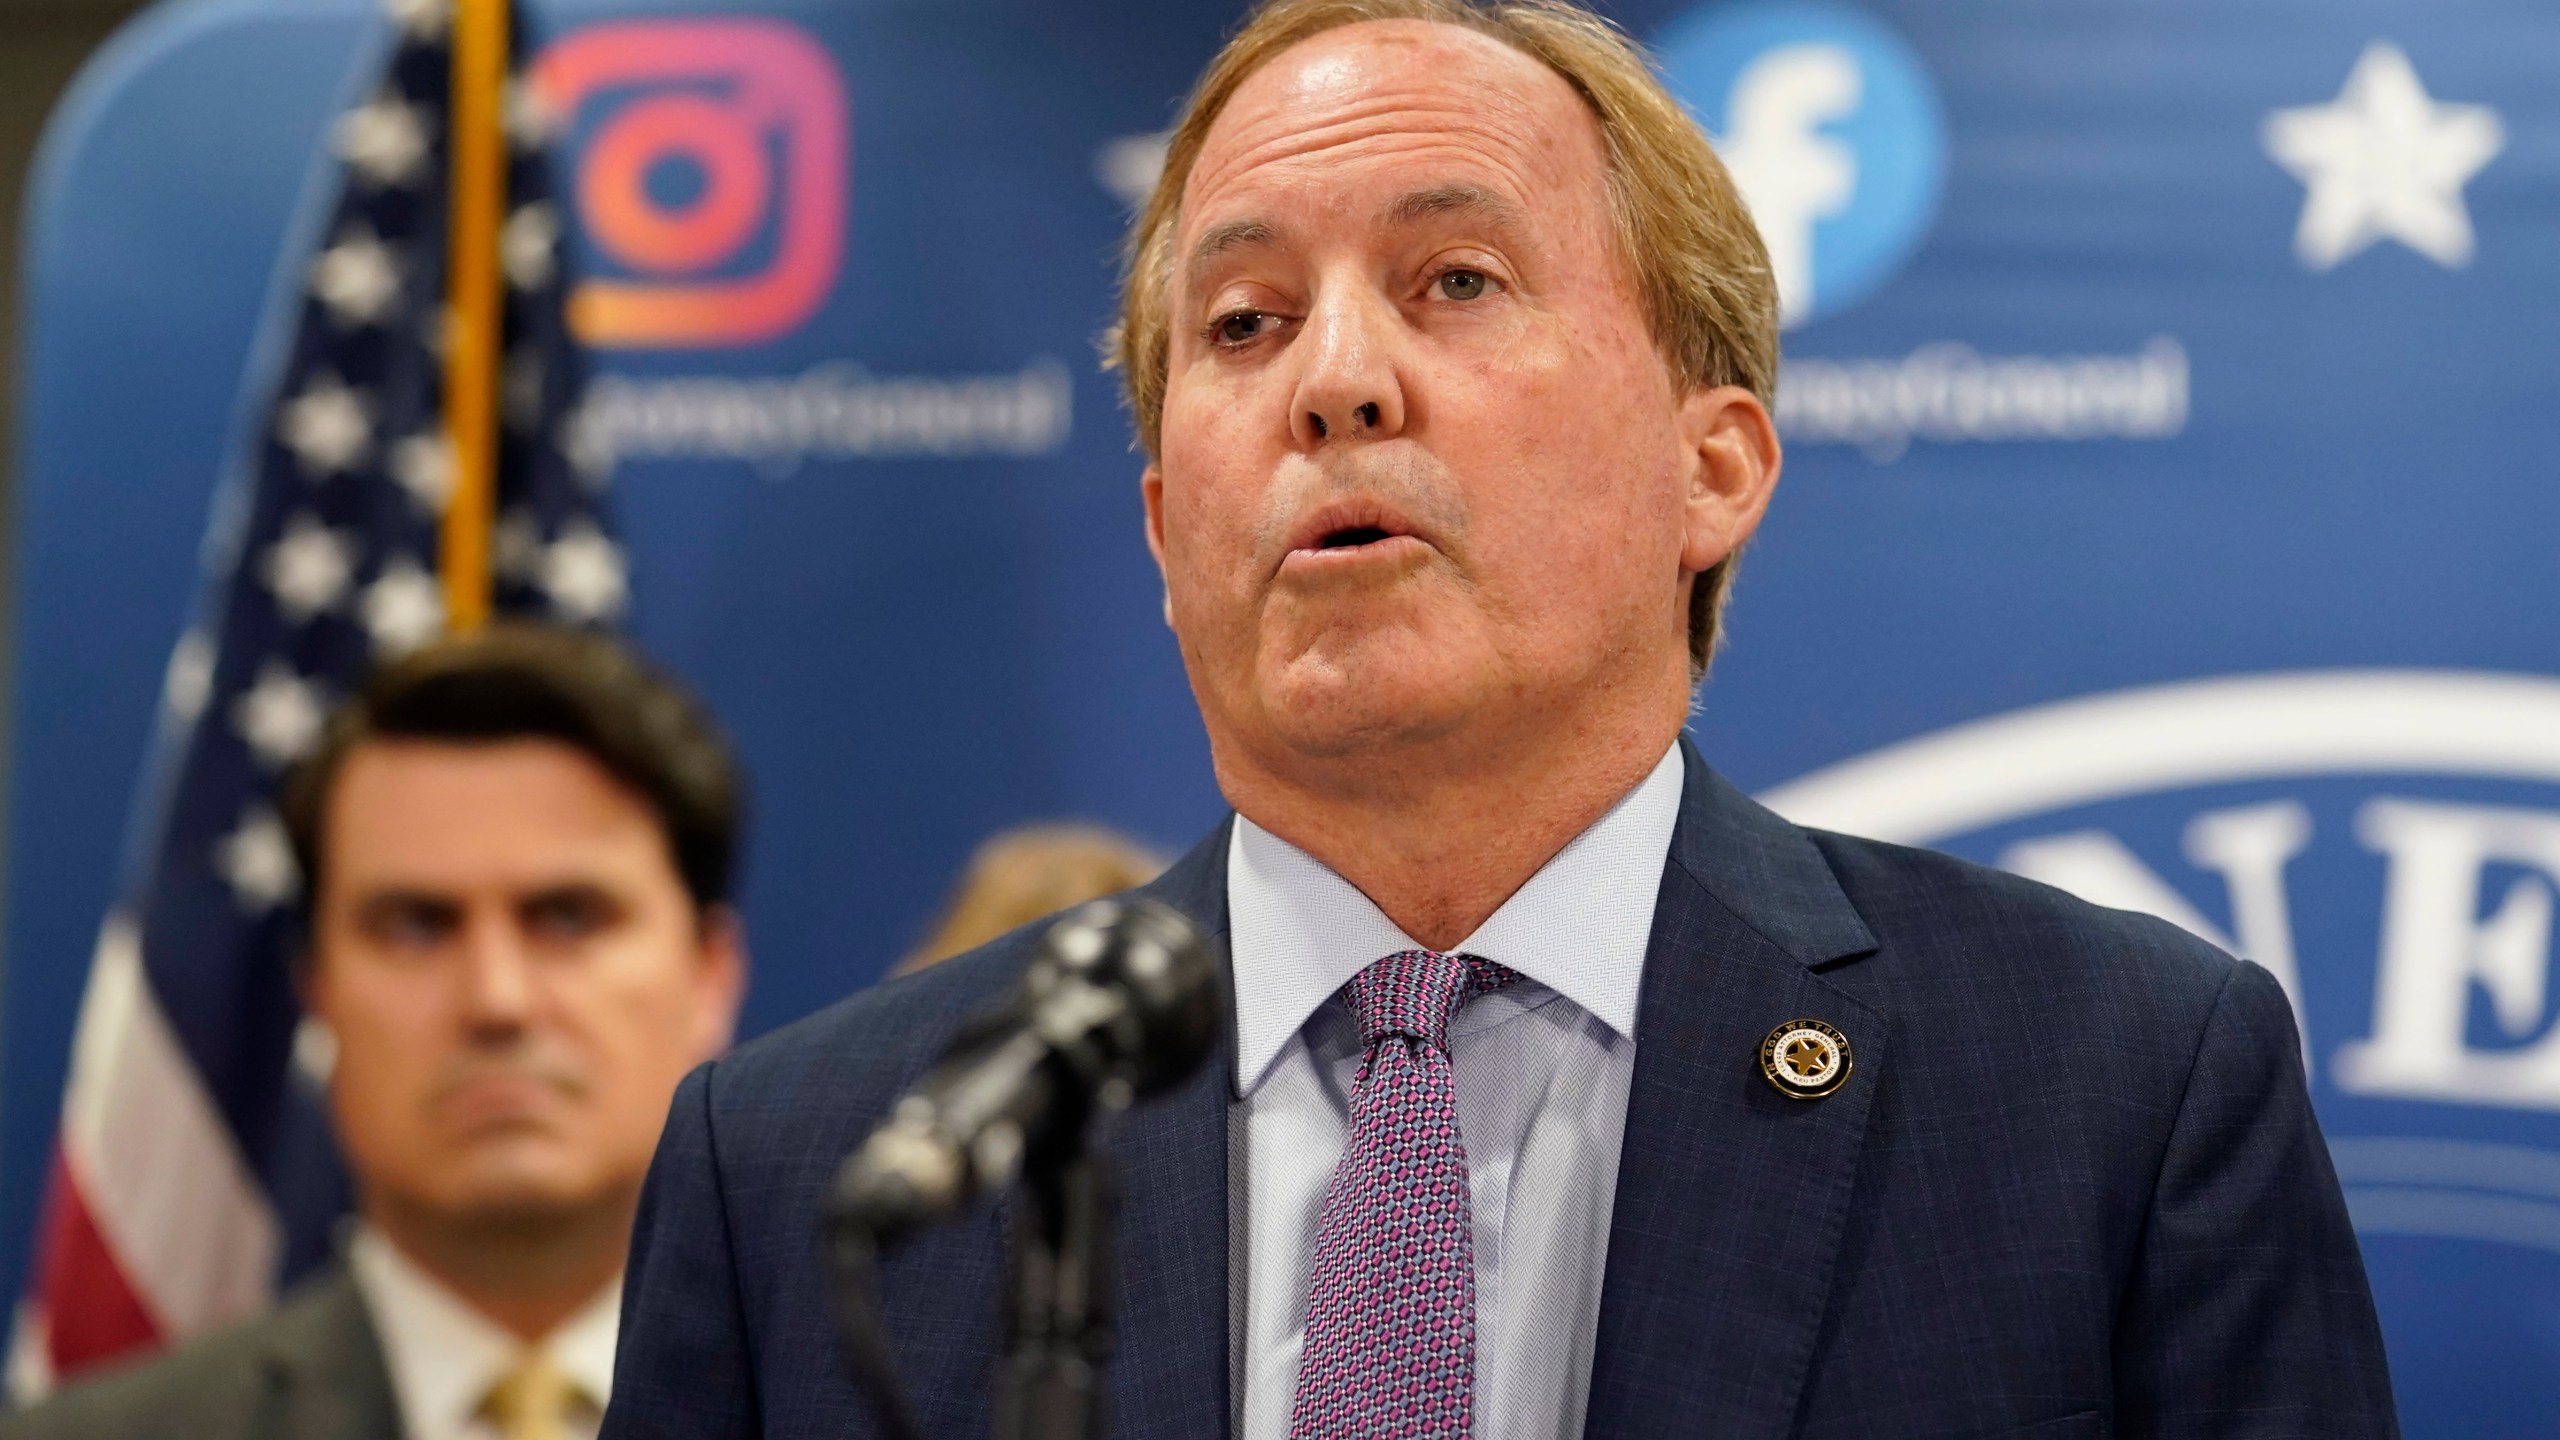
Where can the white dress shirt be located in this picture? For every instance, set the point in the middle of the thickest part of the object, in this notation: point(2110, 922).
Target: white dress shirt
point(1541, 1069)
point(445, 1357)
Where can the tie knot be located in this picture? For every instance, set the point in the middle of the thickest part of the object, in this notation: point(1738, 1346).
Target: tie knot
point(533, 1401)
point(1415, 992)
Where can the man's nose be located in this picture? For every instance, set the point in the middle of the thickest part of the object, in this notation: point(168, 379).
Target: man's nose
point(498, 983)
point(1352, 387)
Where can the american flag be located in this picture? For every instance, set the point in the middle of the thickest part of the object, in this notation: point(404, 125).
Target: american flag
point(192, 1171)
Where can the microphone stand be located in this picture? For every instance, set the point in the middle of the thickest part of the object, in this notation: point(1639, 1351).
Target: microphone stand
point(1057, 1307)
point(1058, 1304)
point(1123, 999)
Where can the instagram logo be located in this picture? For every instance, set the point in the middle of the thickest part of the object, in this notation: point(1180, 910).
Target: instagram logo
point(711, 175)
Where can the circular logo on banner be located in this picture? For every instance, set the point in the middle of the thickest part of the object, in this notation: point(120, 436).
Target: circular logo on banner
point(2385, 842)
point(1832, 129)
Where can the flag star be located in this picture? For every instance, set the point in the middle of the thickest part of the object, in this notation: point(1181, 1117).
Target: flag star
point(420, 18)
point(280, 716)
point(522, 386)
point(385, 139)
point(327, 426)
point(584, 574)
point(435, 331)
point(515, 545)
point(531, 118)
point(315, 1050)
point(2383, 161)
point(403, 608)
point(358, 278)
point(527, 244)
point(423, 466)
point(309, 568)
point(257, 860)
point(189, 681)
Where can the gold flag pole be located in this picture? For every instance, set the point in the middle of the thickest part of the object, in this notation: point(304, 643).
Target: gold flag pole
point(474, 305)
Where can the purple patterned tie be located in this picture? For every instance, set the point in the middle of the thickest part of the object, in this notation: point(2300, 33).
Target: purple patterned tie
point(1391, 1311)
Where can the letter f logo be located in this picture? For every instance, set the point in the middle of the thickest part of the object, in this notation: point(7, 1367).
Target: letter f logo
point(1832, 130)
point(1790, 174)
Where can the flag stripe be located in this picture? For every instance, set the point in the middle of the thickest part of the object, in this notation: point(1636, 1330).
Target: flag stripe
point(159, 1176)
point(91, 1312)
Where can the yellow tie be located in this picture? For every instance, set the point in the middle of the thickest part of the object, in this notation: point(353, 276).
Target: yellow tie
point(534, 1401)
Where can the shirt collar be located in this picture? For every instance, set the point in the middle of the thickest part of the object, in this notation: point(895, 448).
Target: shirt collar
point(444, 1356)
point(1580, 926)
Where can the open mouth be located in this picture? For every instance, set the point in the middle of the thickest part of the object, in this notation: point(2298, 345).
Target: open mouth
point(1351, 535)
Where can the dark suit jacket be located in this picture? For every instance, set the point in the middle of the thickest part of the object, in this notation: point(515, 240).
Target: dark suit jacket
point(308, 1370)
point(2072, 1187)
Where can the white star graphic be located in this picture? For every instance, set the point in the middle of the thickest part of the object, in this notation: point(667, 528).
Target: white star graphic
point(525, 246)
point(280, 716)
point(309, 568)
point(257, 859)
point(189, 680)
point(2383, 162)
point(403, 608)
point(385, 139)
point(327, 426)
point(358, 278)
point(1129, 165)
point(423, 466)
point(584, 575)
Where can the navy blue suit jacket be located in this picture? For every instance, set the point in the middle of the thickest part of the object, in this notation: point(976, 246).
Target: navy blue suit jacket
point(2072, 1188)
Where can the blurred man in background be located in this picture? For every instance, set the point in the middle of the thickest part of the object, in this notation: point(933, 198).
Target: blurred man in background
point(1029, 871)
point(518, 848)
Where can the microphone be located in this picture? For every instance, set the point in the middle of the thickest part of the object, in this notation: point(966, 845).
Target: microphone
point(1125, 998)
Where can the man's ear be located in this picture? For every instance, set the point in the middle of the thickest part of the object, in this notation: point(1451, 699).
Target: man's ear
point(722, 983)
point(1733, 458)
point(1151, 486)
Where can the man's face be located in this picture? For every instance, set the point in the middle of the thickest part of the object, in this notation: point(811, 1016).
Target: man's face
point(1421, 460)
point(515, 975)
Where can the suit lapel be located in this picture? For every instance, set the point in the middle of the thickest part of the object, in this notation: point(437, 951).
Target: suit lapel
point(1169, 1369)
point(326, 1376)
point(1731, 1197)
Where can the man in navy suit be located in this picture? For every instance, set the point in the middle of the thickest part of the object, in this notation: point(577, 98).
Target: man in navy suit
point(1567, 1091)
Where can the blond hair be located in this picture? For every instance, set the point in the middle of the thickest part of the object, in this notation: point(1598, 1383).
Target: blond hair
point(1700, 268)
point(1029, 871)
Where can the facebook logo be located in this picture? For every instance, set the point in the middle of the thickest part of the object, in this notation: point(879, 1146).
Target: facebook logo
point(1831, 128)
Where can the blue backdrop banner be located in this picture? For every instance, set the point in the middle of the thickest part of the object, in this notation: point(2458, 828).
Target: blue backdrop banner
point(2167, 516)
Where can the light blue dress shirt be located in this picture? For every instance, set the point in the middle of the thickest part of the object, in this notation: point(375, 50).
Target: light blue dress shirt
point(1541, 1069)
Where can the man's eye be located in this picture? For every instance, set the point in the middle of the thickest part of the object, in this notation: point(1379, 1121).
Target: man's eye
point(410, 926)
point(1462, 284)
point(1242, 326)
point(568, 915)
